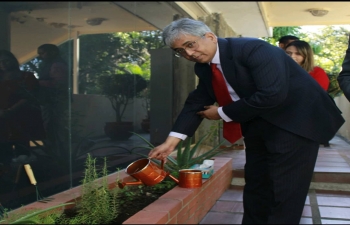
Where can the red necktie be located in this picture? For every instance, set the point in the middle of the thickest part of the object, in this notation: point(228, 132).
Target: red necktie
point(231, 130)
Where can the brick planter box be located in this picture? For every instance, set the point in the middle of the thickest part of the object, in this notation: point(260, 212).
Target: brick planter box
point(178, 206)
point(185, 205)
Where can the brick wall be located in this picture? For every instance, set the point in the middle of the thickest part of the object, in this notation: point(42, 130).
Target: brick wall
point(187, 205)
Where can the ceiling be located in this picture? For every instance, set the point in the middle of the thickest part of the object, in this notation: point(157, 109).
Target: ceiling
point(256, 19)
point(296, 13)
point(73, 16)
point(56, 22)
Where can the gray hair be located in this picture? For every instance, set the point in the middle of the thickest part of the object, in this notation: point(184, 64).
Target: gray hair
point(183, 26)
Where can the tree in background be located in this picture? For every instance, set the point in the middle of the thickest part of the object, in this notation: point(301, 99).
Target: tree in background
point(331, 43)
point(278, 32)
point(120, 52)
point(117, 53)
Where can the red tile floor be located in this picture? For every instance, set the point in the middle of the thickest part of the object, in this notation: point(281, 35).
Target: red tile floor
point(328, 201)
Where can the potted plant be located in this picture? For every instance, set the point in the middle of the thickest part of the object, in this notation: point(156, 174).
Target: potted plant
point(120, 89)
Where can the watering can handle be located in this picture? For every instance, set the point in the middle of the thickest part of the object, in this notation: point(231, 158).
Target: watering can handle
point(168, 174)
point(162, 164)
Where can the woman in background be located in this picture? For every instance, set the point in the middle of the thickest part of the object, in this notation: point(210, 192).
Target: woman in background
point(302, 53)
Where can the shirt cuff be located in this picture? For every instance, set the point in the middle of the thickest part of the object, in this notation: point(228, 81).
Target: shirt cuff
point(223, 115)
point(178, 135)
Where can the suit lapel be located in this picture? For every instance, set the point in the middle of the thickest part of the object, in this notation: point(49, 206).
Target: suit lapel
point(203, 71)
point(227, 63)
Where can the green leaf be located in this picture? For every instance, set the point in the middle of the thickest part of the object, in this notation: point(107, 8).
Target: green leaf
point(194, 149)
point(172, 160)
point(185, 154)
point(179, 150)
point(207, 155)
point(26, 219)
point(149, 143)
point(26, 222)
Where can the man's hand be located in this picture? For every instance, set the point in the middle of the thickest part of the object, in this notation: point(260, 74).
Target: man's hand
point(162, 151)
point(211, 113)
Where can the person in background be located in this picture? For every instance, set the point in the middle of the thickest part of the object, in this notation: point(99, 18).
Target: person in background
point(285, 40)
point(20, 118)
point(53, 79)
point(53, 71)
point(301, 53)
point(264, 96)
point(344, 75)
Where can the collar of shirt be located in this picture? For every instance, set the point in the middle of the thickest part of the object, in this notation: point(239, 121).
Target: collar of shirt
point(216, 58)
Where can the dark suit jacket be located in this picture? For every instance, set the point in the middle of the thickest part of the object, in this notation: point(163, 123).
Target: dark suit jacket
point(270, 86)
point(344, 75)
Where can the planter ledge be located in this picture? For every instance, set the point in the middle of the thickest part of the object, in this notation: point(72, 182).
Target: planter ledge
point(187, 205)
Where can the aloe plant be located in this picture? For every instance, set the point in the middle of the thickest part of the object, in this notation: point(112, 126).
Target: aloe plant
point(185, 156)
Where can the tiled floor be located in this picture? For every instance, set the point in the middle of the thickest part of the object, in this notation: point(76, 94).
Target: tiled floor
point(321, 206)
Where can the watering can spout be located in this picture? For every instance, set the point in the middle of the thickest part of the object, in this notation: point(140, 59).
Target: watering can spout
point(173, 178)
point(121, 185)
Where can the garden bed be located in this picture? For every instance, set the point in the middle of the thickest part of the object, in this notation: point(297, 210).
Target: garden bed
point(177, 206)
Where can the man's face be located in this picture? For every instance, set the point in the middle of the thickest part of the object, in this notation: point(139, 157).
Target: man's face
point(196, 49)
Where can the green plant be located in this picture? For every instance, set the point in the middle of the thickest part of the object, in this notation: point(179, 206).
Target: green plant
point(98, 205)
point(186, 155)
point(44, 216)
point(214, 130)
point(120, 89)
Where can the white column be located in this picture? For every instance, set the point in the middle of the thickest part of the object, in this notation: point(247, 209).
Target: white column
point(76, 48)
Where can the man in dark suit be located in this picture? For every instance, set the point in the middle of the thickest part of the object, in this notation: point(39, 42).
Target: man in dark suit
point(344, 75)
point(284, 114)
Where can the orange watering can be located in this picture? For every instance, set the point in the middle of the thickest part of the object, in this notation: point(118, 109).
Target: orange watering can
point(148, 173)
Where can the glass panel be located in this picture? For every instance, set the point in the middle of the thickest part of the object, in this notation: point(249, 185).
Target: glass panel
point(84, 82)
point(35, 101)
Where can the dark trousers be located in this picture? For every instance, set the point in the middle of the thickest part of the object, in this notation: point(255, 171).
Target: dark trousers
point(278, 172)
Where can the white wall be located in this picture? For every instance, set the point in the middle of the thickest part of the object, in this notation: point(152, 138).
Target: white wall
point(344, 105)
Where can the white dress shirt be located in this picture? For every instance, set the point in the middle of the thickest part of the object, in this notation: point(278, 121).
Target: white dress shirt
point(233, 95)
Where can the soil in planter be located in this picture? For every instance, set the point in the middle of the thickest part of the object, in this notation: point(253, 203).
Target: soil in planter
point(132, 200)
point(131, 206)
